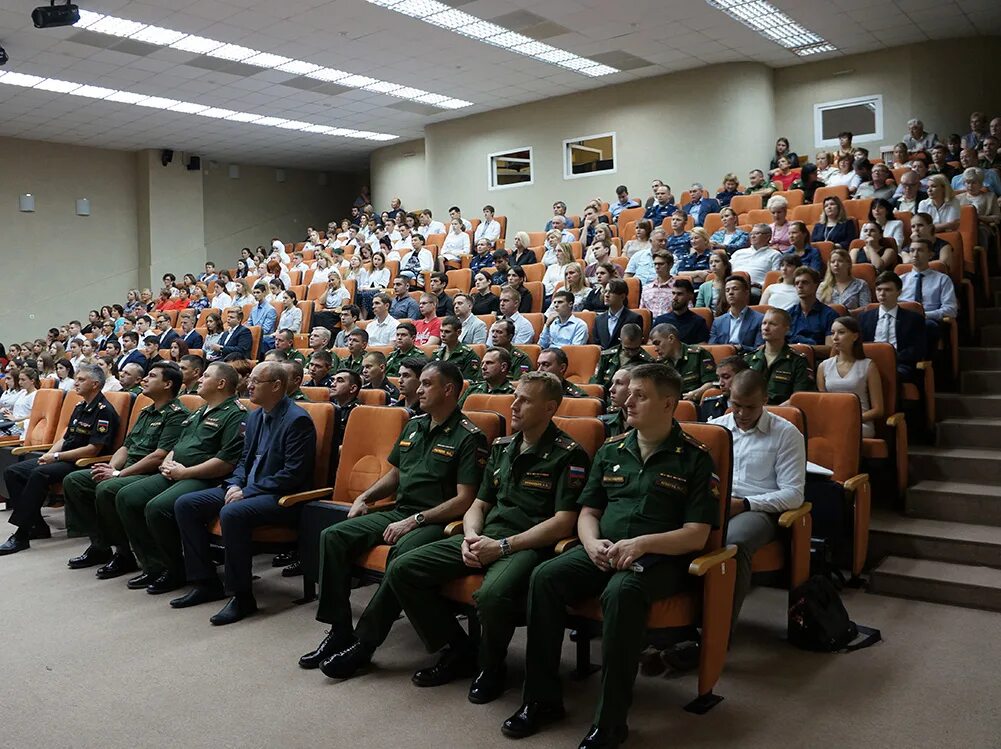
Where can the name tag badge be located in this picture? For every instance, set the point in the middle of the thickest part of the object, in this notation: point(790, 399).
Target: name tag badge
point(670, 482)
point(404, 444)
point(211, 422)
point(537, 483)
point(608, 480)
point(445, 451)
point(783, 376)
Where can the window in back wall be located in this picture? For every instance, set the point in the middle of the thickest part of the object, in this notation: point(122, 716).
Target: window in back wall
point(512, 168)
point(862, 116)
point(589, 154)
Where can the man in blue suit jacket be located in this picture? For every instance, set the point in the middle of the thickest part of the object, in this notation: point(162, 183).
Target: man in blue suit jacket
point(279, 451)
point(188, 333)
point(130, 351)
point(236, 340)
point(889, 323)
point(165, 331)
point(700, 207)
point(739, 325)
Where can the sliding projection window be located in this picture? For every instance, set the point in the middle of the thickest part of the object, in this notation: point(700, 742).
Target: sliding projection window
point(587, 155)
point(861, 116)
point(509, 168)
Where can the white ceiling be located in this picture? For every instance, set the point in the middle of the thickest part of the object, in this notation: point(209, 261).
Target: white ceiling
point(356, 36)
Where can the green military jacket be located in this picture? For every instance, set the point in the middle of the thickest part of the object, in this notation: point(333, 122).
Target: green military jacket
point(696, 367)
point(461, 356)
point(434, 460)
point(485, 388)
point(394, 360)
point(188, 391)
point(215, 433)
point(615, 423)
point(611, 361)
point(789, 373)
point(520, 363)
point(527, 488)
point(137, 389)
point(570, 390)
point(155, 429)
point(348, 362)
point(673, 487)
point(295, 355)
point(298, 395)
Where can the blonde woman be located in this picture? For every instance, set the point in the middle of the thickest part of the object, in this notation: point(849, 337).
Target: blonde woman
point(242, 294)
point(554, 273)
point(941, 204)
point(985, 202)
point(731, 237)
point(133, 305)
point(840, 286)
point(695, 262)
point(834, 225)
point(825, 166)
point(322, 268)
point(641, 241)
point(522, 255)
point(575, 282)
point(778, 206)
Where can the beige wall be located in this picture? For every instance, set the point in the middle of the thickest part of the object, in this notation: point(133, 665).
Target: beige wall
point(399, 171)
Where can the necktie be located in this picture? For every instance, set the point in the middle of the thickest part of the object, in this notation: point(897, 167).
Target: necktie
point(918, 290)
point(884, 324)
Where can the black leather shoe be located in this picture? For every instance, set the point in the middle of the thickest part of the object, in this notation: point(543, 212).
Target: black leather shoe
point(531, 717)
point(120, 564)
point(488, 686)
point(345, 664)
point(604, 738)
point(238, 607)
point(201, 593)
point(13, 545)
point(164, 583)
point(455, 663)
point(140, 582)
point(284, 559)
point(42, 530)
point(293, 570)
point(91, 557)
point(330, 645)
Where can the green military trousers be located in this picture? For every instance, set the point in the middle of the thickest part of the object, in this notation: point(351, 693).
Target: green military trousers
point(90, 508)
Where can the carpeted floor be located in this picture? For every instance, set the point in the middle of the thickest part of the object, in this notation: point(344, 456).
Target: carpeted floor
point(91, 664)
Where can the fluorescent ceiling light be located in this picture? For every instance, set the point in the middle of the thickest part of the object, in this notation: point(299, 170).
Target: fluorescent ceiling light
point(774, 25)
point(243, 117)
point(187, 107)
point(94, 92)
point(462, 23)
point(163, 37)
point(157, 102)
point(59, 87)
point(125, 97)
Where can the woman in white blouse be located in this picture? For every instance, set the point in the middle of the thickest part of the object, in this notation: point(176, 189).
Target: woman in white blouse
point(223, 299)
point(455, 246)
point(881, 212)
point(783, 294)
point(64, 373)
point(376, 280)
point(242, 295)
point(554, 273)
point(74, 353)
point(107, 364)
point(985, 202)
point(20, 410)
point(321, 269)
point(846, 174)
point(941, 204)
point(641, 241)
point(416, 262)
point(214, 330)
point(848, 370)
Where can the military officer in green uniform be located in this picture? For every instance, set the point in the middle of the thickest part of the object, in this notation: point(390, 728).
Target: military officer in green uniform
point(501, 336)
point(695, 365)
point(436, 464)
point(357, 341)
point(650, 492)
point(629, 351)
point(321, 364)
point(615, 419)
point(715, 406)
point(787, 371)
point(130, 376)
point(147, 444)
point(555, 361)
point(285, 342)
point(295, 375)
point(527, 502)
point(210, 445)
point(373, 375)
point(192, 366)
point(410, 381)
point(405, 349)
point(458, 353)
point(494, 371)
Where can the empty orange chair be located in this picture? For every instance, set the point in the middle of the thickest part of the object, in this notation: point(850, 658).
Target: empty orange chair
point(588, 407)
point(499, 404)
point(42, 423)
point(582, 361)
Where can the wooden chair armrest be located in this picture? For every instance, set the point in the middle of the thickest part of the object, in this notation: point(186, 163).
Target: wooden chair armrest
point(454, 528)
point(565, 544)
point(701, 565)
point(788, 518)
point(10, 442)
point(30, 449)
point(84, 462)
point(291, 500)
point(924, 364)
point(853, 484)
point(382, 504)
point(895, 420)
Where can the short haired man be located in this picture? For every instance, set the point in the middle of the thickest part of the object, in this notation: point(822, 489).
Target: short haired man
point(319, 339)
point(502, 336)
point(618, 392)
point(320, 364)
point(188, 333)
point(928, 287)
point(502, 264)
point(443, 302)
point(357, 342)
point(90, 431)
point(192, 367)
point(757, 259)
point(628, 352)
point(699, 206)
point(406, 335)
point(758, 185)
point(658, 293)
point(740, 325)
point(131, 376)
point(237, 339)
point(285, 344)
point(436, 465)
point(455, 214)
point(562, 327)
point(373, 375)
point(403, 306)
point(279, 451)
point(295, 374)
point(345, 386)
point(410, 379)
point(628, 510)
point(917, 139)
point(210, 274)
point(382, 326)
point(691, 327)
point(939, 165)
point(474, 330)
point(494, 371)
point(428, 326)
point(695, 364)
point(130, 351)
point(726, 370)
point(165, 332)
point(350, 314)
point(451, 350)
point(427, 224)
point(623, 202)
point(489, 228)
point(510, 299)
point(608, 324)
point(263, 313)
point(811, 319)
point(526, 502)
point(787, 371)
point(151, 350)
point(560, 220)
point(891, 323)
point(554, 361)
point(661, 208)
point(910, 193)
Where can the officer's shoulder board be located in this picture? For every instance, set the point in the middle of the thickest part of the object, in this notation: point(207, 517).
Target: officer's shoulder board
point(800, 354)
point(617, 438)
point(610, 351)
point(176, 406)
point(692, 441)
point(500, 441)
point(240, 405)
point(420, 416)
point(470, 426)
point(565, 442)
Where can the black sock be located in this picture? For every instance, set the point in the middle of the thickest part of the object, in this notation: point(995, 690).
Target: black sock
point(22, 533)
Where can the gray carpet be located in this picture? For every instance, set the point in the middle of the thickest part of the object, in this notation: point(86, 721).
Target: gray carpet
point(89, 663)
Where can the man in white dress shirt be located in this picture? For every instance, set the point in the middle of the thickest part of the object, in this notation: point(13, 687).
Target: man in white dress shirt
point(382, 327)
point(932, 289)
point(524, 331)
point(757, 259)
point(427, 225)
point(489, 227)
point(474, 330)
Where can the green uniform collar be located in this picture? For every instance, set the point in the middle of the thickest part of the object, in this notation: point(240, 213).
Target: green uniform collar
point(674, 443)
point(543, 447)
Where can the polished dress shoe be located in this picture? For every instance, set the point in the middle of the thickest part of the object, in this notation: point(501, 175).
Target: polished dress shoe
point(201, 593)
point(328, 646)
point(531, 717)
point(120, 564)
point(164, 583)
point(140, 582)
point(293, 570)
point(91, 557)
point(13, 545)
point(239, 606)
point(285, 558)
point(345, 664)
point(488, 685)
point(455, 663)
point(41, 530)
point(604, 738)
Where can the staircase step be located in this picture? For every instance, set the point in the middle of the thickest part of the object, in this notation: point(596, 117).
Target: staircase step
point(988, 315)
point(980, 382)
point(995, 284)
point(969, 433)
point(960, 406)
point(990, 335)
point(956, 502)
point(891, 534)
point(979, 358)
point(938, 582)
point(955, 463)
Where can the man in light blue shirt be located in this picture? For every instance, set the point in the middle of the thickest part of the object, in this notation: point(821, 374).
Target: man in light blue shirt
point(562, 328)
point(624, 202)
point(971, 159)
point(263, 314)
point(931, 288)
point(641, 264)
point(739, 325)
point(524, 332)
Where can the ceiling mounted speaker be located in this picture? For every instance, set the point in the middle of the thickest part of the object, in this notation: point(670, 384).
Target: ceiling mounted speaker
point(166, 156)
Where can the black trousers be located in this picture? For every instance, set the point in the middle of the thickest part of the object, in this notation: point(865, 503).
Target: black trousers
point(28, 485)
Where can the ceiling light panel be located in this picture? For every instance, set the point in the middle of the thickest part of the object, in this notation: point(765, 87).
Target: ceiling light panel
point(163, 37)
point(774, 25)
point(458, 21)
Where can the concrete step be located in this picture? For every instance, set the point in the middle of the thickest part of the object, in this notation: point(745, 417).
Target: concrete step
point(979, 358)
point(891, 534)
point(956, 502)
point(970, 432)
point(955, 464)
point(990, 335)
point(959, 406)
point(980, 382)
point(938, 582)
point(988, 315)
point(995, 284)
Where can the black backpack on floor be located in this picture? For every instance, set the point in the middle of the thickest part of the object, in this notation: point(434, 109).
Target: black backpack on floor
point(819, 622)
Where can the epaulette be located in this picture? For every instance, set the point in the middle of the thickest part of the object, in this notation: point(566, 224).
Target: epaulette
point(797, 353)
point(610, 351)
point(470, 426)
point(504, 440)
point(175, 406)
point(240, 405)
point(567, 443)
point(420, 416)
point(617, 438)
point(692, 441)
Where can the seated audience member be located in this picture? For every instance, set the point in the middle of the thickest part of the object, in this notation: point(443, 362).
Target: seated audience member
point(178, 349)
point(402, 306)
point(595, 299)
point(691, 327)
point(640, 265)
point(970, 159)
point(696, 262)
point(19, 397)
point(623, 202)
point(485, 302)
point(978, 131)
point(489, 227)
point(356, 343)
point(559, 217)
point(428, 326)
point(917, 139)
point(494, 371)
point(344, 392)
point(443, 302)
point(473, 329)
point(555, 362)
point(409, 378)
point(984, 201)
point(679, 241)
point(739, 325)
point(427, 224)
point(710, 294)
point(787, 371)
point(940, 162)
point(930, 288)
point(192, 368)
point(554, 273)
point(901, 158)
point(699, 207)
point(845, 176)
point(130, 351)
point(523, 254)
point(455, 247)
point(782, 150)
point(848, 370)
point(810, 319)
point(516, 282)
point(661, 207)
point(483, 256)
point(694, 364)
point(328, 311)
point(618, 393)
point(320, 364)
point(561, 327)
point(799, 244)
point(639, 242)
point(417, 262)
point(628, 352)
point(319, 339)
point(188, 334)
point(769, 474)
point(658, 293)
point(881, 184)
point(778, 206)
point(349, 317)
point(941, 204)
point(759, 258)
point(614, 516)
point(730, 190)
point(911, 195)
point(874, 250)
point(901, 328)
point(373, 375)
point(164, 332)
point(150, 349)
point(608, 324)
point(560, 231)
point(840, 286)
point(715, 406)
point(834, 225)
point(653, 189)
point(881, 212)
point(405, 348)
point(524, 332)
point(382, 325)
point(593, 226)
point(278, 454)
point(452, 350)
point(758, 185)
point(809, 180)
point(130, 377)
point(731, 237)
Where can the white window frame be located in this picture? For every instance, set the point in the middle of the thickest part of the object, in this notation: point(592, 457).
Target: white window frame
point(568, 172)
point(491, 176)
point(818, 123)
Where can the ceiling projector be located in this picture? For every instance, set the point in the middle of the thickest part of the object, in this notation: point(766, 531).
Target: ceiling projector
point(52, 15)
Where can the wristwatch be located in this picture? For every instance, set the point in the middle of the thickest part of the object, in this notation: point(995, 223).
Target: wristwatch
point(419, 519)
point(55, 456)
point(747, 505)
point(505, 546)
point(115, 473)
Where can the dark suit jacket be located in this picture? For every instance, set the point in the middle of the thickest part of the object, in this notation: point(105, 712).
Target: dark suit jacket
point(289, 455)
point(193, 339)
point(168, 338)
point(705, 207)
point(912, 338)
point(237, 341)
point(601, 327)
point(691, 327)
point(135, 356)
point(750, 330)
